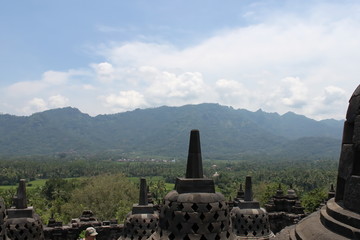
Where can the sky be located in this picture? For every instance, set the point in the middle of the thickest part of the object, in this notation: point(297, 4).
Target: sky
point(111, 56)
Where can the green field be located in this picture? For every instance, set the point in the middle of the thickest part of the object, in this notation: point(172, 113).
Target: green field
point(29, 185)
point(32, 184)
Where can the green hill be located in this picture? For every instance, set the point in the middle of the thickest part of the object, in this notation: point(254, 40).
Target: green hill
point(225, 132)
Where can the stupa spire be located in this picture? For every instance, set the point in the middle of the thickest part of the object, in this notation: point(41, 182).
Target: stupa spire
point(20, 200)
point(143, 200)
point(194, 167)
point(248, 189)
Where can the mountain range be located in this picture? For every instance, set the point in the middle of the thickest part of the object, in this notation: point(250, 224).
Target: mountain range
point(164, 131)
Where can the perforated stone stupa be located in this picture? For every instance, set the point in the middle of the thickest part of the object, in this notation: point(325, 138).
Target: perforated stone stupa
point(194, 210)
point(21, 222)
point(249, 221)
point(142, 221)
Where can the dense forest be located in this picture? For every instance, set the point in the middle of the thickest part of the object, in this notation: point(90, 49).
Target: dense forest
point(73, 184)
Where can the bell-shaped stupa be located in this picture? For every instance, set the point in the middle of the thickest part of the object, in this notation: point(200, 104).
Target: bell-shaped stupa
point(194, 210)
point(249, 221)
point(142, 221)
point(21, 222)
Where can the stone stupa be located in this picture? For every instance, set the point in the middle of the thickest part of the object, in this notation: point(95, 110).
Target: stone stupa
point(21, 222)
point(142, 221)
point(194, 211)
point(249, 220)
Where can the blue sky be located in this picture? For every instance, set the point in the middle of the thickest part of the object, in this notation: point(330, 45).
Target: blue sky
point(112, 56)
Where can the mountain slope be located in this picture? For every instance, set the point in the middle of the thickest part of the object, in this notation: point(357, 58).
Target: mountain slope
point(164, 131)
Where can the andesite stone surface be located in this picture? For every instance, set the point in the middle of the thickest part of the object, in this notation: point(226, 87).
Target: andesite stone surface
point(284, 210)
point(107, 230)
point(2, 218)
point(240, 194)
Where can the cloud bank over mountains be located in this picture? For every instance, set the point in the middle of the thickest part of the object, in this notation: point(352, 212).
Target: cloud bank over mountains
point(278, 62)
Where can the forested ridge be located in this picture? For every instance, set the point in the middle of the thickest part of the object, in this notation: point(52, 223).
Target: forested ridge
point(225, 133)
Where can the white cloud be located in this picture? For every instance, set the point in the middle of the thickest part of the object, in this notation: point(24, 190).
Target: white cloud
point(105, 72)
point(189, 85)
point(293, 93)
point(49, 80)
point(125, 100)
point(58, 101)
point(27, 97)
point(334, 94)
point(331, 98)
point(38, 103)
point(137, 53)
point(229, 84)
point(234, 93)
point(35, 105)
point(55, 77)
point(25, 88)
point(88, 87)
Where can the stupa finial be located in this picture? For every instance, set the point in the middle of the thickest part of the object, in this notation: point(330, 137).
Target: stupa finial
point(194, 168)
point(20, 200)
point(248, 189)
point(143, 200)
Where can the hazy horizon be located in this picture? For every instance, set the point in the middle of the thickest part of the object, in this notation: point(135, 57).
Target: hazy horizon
point(64, 107)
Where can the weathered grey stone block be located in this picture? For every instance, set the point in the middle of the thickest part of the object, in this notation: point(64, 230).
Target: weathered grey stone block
point(352, 194)
point(248, 204)
point(188, 185)
point(348, 133)
point(346, 162)
point(2, 217)
point(356, 136)
point(340, 188)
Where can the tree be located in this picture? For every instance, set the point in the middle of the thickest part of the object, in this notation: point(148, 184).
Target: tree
point(158, 188)
point(264, 191)
point(312, 200)
point(108, 196)
point(57, 188)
